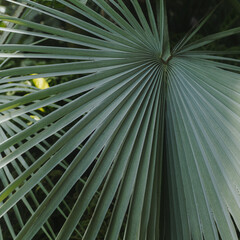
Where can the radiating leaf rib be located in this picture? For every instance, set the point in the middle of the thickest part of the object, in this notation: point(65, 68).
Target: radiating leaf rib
point(144, 29)
point(220, 218)
point(114, 15)
point(78, 23)
point(208, 53)
point(126, 117)
point(122, 8)
point(154, 225)
point(148, 221)
point(210, 56)
point(100, 20)
point(38, 104)
point(203, 152)
point(142, 18)
point(178, 206)
point(48, 56)
point(40, 136)
point(210, 38)
point(222, 152)
point(203, 224)
point(216, 85)
point(72, 106)
point(228, 191)
point(77, 167)
point(78, 41)
point(90, 79)
point(183, 169)
point(75, 67)
point(207, 226)
point(186, 175)
point(6, 60)
point(137, 28)
point(217, 65)
point(153, 23)
point(139, 31)
point(133, 228)
point(82, 39)
point(116, 174)
point(87, 53)
point(178, 220)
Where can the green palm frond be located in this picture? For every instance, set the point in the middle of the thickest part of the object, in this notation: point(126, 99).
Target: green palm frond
point(152, 133)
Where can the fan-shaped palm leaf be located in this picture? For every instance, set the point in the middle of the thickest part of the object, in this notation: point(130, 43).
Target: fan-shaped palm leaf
point(155, 131)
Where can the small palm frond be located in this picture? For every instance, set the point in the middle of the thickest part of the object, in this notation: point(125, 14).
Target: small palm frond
point(152, 134)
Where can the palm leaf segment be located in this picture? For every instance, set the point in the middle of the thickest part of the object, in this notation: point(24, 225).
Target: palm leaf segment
point(160, 130)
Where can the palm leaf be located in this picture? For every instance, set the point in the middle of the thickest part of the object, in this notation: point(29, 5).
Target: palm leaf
point(154, 132)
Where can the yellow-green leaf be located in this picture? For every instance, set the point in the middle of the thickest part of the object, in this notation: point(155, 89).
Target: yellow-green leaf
point(41, 83)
